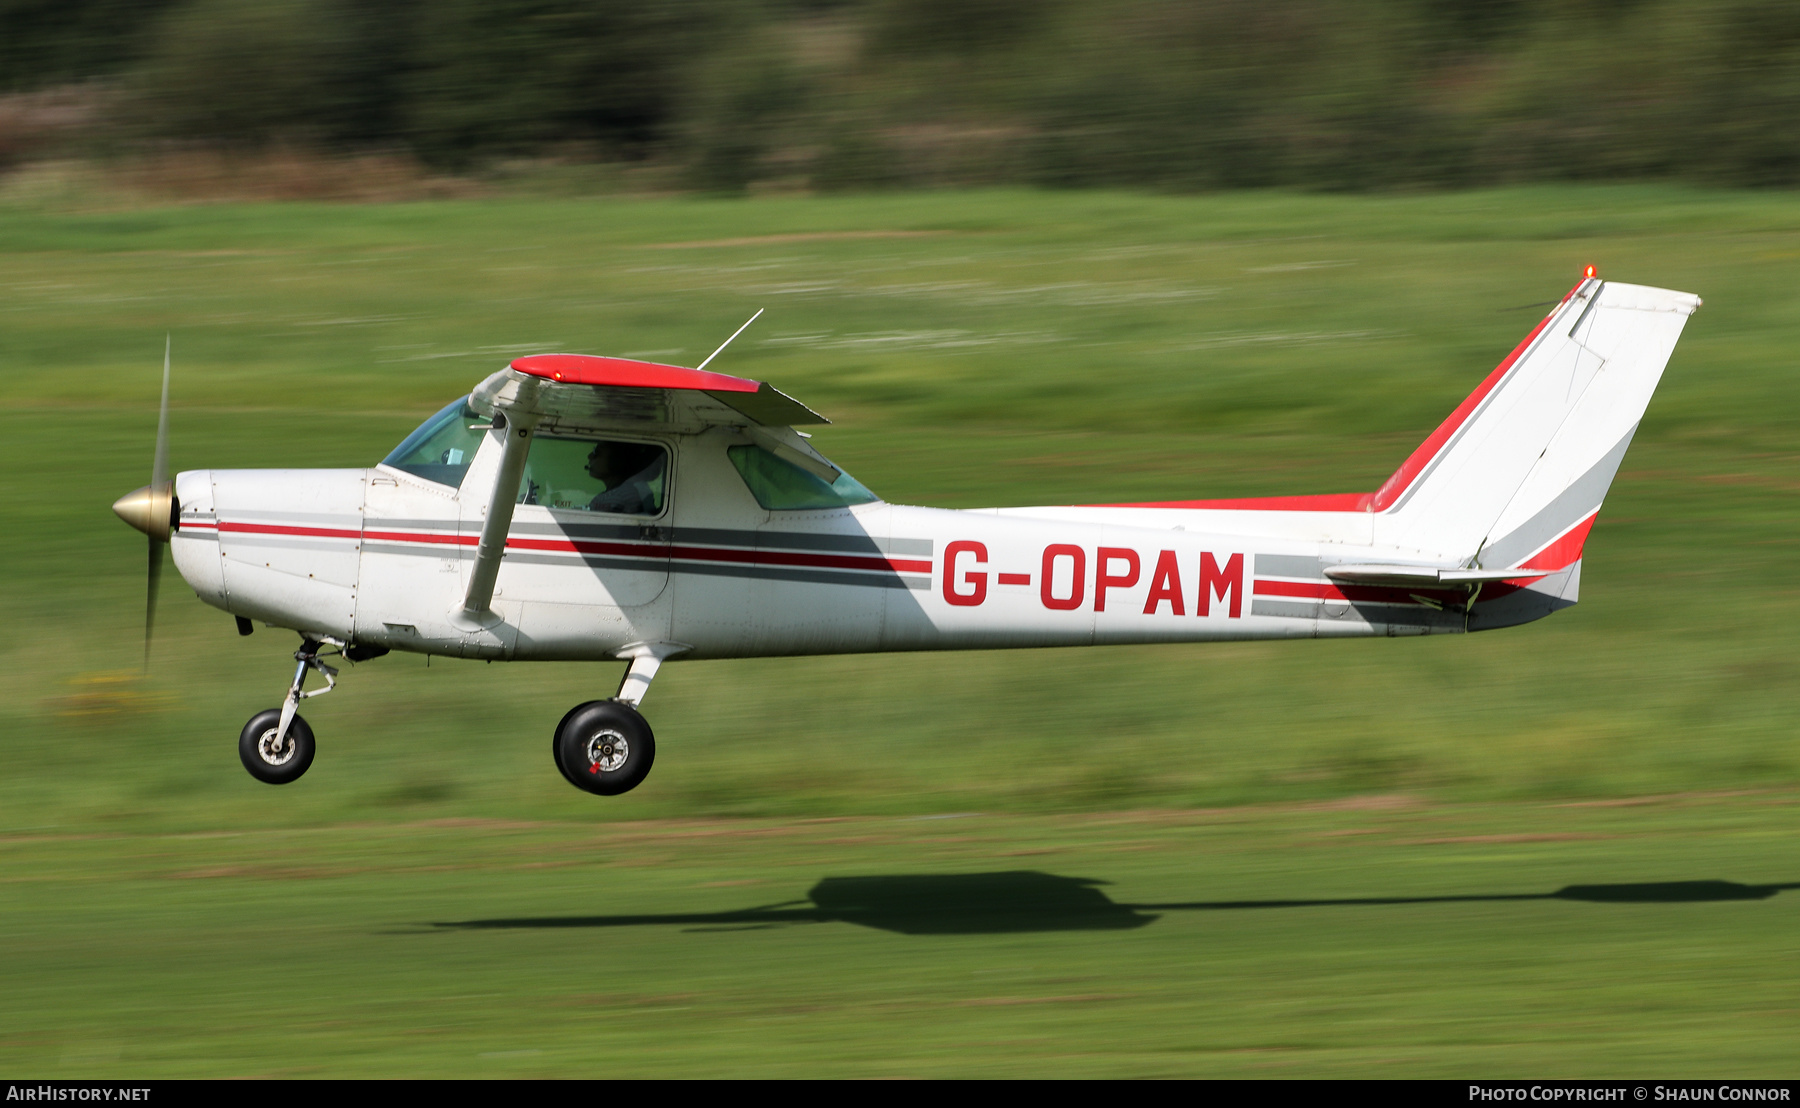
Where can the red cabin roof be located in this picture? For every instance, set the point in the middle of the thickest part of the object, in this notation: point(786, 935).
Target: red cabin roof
point(623, 373)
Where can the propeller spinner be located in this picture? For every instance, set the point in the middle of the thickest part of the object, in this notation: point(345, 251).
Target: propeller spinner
point(153, 509)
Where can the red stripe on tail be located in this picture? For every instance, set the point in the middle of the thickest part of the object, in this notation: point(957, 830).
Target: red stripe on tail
point(1564, 552)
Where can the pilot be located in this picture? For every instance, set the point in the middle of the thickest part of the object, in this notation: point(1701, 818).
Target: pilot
point(629, 471)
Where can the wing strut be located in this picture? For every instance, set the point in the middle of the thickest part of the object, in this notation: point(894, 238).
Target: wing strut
point(646, 658)
point(518, 429)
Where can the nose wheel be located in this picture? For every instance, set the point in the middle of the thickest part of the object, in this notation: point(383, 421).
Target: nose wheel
point(277, 746)
point(272, 757)
point(604, 747)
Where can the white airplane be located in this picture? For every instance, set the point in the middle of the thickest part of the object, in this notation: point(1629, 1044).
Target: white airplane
point(577, 507)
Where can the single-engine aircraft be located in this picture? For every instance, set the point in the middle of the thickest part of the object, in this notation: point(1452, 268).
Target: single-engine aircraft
point(593, 508)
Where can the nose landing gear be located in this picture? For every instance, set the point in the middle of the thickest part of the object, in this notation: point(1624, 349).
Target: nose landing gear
point(277, 746)
point(272, 756)
point(606, 747)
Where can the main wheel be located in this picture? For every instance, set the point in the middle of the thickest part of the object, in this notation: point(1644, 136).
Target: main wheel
point(605, 747)
point(269, 762)
point(556, 741)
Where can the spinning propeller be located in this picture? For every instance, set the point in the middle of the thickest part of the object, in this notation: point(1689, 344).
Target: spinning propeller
point(153, 509)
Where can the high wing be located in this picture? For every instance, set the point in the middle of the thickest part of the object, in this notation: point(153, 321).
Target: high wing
point(576, 392)
point(581, 392)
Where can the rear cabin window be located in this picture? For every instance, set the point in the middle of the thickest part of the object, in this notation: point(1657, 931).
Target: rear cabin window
point(588, 475)
point(443, 447)
point(780, 485)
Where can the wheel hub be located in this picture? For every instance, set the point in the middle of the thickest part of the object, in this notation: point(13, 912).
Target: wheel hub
point(607, 751)
point(275, 751)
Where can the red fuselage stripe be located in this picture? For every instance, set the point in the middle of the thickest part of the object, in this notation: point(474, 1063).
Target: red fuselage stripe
point(1381, 594)
point(285, 529)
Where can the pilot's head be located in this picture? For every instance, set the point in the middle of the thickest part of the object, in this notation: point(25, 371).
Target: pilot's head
point(614, 462)
point(603, 464)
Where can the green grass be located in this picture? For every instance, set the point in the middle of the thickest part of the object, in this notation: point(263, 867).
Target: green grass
point(1372, 939)
point(974, 349)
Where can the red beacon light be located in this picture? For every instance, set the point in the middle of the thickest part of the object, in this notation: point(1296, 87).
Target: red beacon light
point(1590, 272)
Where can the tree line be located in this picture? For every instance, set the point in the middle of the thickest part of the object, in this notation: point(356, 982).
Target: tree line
point(1167, 94)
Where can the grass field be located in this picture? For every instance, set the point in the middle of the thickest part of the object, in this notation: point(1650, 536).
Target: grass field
point(166, 914)
point(1375, 938)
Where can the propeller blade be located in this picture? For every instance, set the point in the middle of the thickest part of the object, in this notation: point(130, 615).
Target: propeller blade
point(156, 562)
point(159, 470)
point(159, 490)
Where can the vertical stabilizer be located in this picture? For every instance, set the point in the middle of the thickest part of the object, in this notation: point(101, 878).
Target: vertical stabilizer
point(1519, 469)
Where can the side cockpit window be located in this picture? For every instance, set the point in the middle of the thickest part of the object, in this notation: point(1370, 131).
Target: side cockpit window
point(443, 447)
point(780, 485)
point(588, 475)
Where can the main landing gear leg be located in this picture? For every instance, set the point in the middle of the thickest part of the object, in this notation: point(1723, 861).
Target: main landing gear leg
point(606, 747)
point(277, 746)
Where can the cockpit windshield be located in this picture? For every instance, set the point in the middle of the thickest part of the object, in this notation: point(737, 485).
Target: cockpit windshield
point(443, 447)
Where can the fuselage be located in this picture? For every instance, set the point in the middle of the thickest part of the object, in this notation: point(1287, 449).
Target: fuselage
point(381, 557)
point(579, 507)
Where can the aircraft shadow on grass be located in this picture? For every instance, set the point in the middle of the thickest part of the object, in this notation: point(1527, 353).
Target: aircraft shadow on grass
point(1026, 900)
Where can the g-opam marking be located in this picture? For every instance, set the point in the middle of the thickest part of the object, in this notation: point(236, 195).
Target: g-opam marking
point(1065, 585)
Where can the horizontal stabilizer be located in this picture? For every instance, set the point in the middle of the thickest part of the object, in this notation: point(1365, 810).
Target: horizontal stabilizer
point(1425, 575)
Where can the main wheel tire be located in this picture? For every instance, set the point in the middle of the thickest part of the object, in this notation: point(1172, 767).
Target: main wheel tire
point(556, 741)
point(268, 763)
point(605, 747)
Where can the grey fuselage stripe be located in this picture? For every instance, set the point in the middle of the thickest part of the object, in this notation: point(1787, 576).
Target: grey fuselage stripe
point(700, 536)
point(233, 540)
point(1405, 615)
point(808, 576)
point(328, 519)
point(1285, 609)
point(881, 579)
point(1289, 565)
point(442, 552)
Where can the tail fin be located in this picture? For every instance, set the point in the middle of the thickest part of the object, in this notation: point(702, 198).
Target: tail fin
point(1514, 476)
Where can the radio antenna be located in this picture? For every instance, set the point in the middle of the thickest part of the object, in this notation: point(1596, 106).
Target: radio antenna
point(727, 342)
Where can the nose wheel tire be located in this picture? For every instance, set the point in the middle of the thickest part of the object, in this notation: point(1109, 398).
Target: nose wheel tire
point(604, 747)
point(272, 762)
